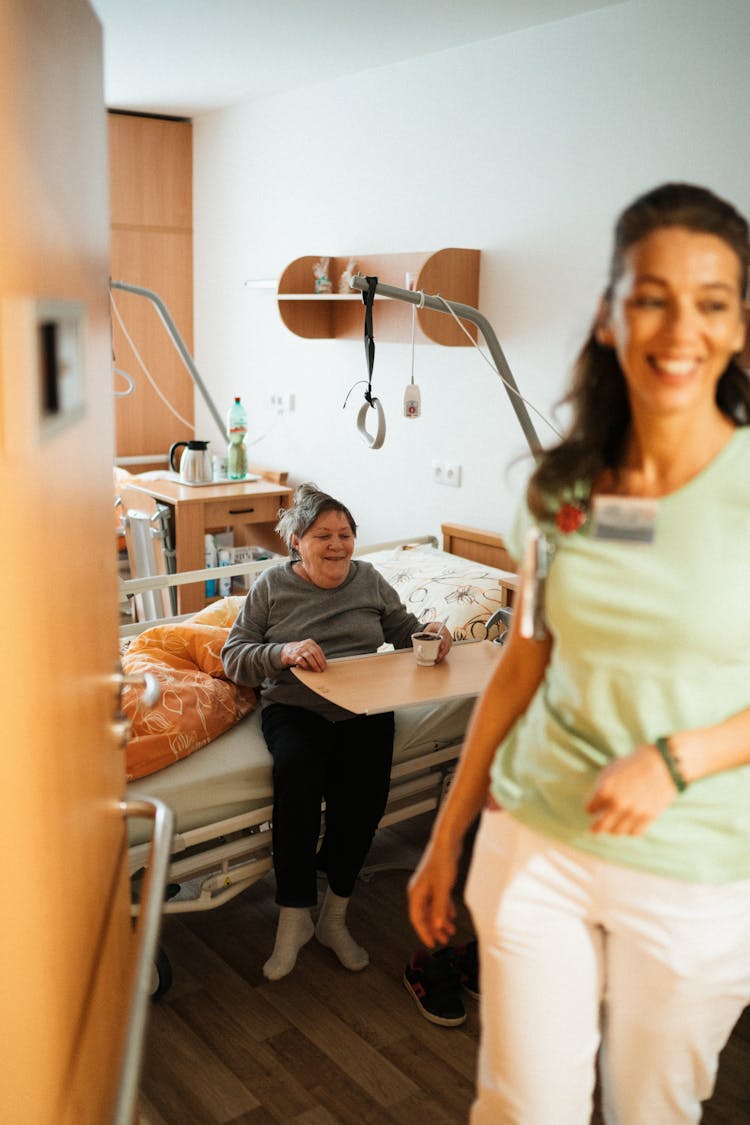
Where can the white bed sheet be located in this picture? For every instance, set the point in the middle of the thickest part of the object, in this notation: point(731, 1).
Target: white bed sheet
point(232, 775)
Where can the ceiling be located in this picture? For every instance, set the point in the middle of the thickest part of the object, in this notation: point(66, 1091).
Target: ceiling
point(184, 57)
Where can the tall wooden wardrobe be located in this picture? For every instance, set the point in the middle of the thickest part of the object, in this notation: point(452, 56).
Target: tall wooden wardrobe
point(151, 234)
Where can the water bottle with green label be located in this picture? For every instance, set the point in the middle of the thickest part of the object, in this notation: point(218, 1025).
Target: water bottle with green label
point(237, 448)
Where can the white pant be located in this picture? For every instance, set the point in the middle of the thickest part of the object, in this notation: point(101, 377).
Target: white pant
point(576, 953)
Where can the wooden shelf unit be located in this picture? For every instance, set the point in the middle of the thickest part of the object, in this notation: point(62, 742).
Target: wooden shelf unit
point(453, 273)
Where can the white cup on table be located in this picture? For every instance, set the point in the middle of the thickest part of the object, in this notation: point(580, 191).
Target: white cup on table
point(220, 466)
point(426, 647)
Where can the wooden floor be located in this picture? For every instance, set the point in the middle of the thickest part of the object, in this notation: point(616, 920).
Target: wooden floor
point(325, 1046)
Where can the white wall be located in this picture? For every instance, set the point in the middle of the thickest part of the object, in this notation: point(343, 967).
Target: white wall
point(525, 147)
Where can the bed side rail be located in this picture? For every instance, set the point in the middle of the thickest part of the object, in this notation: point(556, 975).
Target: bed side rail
point(129, 587)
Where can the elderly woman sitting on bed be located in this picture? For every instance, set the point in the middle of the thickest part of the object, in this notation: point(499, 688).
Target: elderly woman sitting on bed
point(319, 605)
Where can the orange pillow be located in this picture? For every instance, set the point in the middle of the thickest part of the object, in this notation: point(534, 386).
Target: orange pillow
point(197, 701)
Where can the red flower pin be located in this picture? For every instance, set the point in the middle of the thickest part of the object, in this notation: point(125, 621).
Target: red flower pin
point(570, 517)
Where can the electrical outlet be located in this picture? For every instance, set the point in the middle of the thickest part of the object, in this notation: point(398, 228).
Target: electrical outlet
point(452, 474)
point(282, 402)
point(446, 472)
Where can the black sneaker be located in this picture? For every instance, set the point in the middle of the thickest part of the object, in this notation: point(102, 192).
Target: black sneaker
point(467, 962)
point(433, 981)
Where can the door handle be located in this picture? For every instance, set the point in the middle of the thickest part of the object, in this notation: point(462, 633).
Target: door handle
point(121, 727)
point(151, 686)
point(121, 724)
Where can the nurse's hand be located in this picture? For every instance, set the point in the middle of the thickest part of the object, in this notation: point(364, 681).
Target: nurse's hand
point(630, 793)
point(431, 909)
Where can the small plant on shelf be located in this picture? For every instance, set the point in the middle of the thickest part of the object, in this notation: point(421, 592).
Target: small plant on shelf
point(322, 280)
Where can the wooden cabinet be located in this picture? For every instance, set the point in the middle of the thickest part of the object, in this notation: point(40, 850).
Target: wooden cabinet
point(151, 245)
point(453, 273)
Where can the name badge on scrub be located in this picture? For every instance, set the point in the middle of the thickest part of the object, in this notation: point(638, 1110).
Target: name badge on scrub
point(627, 519)
point(534, 571)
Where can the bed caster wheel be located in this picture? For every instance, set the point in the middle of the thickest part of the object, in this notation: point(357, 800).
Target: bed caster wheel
point(161, 975)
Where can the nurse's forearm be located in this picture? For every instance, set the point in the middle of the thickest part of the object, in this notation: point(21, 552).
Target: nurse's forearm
point(708, 750)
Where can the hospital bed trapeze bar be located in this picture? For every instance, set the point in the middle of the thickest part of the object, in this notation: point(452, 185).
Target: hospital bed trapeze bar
point(179, 343)
point(411, 297)
point(464, 312)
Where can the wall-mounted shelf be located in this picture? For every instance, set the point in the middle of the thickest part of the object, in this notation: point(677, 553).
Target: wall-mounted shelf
point(453, 273)
point(319, 296)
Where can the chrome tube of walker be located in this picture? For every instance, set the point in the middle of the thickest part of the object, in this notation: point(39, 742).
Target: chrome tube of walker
point(465, 312)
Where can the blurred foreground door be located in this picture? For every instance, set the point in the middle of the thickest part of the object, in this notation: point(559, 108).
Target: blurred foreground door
point(65, 935)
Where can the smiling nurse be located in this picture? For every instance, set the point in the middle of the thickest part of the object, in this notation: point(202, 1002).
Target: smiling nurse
point(610, 880)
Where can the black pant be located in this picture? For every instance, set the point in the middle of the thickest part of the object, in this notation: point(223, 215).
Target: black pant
point(347, 764)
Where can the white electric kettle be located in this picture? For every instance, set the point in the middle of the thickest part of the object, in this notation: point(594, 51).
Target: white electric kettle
point(195, 463)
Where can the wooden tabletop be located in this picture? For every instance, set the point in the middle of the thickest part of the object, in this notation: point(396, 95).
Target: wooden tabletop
point(367, 685)
point(172, 491)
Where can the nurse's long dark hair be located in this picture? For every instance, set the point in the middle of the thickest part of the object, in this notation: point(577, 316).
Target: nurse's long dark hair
point(598, 397)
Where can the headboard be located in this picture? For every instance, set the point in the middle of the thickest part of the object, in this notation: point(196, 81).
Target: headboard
point(487, 547)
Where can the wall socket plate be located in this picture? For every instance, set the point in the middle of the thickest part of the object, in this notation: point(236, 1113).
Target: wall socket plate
point(446, 472)
point(282, 402)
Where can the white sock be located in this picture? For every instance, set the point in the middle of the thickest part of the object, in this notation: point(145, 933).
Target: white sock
point(294, 929)
point(331, 931)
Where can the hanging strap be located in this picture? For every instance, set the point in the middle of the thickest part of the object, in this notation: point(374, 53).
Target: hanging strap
point(368, 298)
point(373, 440)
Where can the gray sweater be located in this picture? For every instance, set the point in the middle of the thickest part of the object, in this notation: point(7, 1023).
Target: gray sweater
point(348, 620)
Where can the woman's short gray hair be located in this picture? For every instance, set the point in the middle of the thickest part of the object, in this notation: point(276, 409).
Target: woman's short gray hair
point(309, 504)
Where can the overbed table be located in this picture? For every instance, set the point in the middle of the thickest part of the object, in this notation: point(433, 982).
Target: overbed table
point(367, 685)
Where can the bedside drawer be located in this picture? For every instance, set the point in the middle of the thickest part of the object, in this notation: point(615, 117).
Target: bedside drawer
point(241, 509)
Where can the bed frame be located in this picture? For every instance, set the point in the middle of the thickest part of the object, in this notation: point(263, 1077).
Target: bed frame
point(487, 547)
point(210, 864)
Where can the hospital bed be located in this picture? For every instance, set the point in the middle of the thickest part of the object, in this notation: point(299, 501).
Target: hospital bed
point(221, 792)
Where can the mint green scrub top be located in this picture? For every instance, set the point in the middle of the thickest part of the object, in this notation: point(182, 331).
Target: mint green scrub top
point(649, 639)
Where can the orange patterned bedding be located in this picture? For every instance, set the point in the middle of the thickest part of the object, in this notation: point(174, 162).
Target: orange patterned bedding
point(197, 703)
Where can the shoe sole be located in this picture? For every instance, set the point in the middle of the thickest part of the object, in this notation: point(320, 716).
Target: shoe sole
point(441, 1021)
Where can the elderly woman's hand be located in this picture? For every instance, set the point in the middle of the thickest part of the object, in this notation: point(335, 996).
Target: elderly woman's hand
point(305, 654)
point(446, 640)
